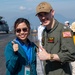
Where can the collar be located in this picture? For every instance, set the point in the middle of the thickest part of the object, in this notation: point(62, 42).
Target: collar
point(21, 42)
point(56, 23)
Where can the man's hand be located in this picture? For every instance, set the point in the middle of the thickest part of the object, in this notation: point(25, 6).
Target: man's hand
point(43, 55)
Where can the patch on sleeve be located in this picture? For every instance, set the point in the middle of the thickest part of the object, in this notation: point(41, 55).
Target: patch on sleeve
point(67, 34)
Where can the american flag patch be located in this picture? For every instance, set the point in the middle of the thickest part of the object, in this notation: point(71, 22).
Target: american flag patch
point(67, 34)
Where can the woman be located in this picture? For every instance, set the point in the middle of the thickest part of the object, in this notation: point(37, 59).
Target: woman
point(20, 53)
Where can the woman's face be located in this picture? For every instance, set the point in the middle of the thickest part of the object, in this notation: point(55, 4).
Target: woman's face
point(22, 31)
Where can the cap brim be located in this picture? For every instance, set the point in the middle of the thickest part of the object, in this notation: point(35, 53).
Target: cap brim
point(42, 12)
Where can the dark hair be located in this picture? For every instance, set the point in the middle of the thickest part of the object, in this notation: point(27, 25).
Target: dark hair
point(20, 20)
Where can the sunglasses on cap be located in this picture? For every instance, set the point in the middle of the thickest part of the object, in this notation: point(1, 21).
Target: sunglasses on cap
point(18, 30)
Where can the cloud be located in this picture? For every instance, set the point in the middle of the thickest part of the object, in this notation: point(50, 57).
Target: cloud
point(22, 8)
point(30, 9)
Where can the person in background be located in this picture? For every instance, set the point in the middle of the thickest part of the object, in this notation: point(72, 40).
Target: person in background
point(40, 30)
point(58, 47)
point(73, 63)
point(20, 53)
point(67, 23)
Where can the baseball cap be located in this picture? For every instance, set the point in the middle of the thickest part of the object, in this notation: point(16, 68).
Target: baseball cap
point(43, 7)
point(73, 26)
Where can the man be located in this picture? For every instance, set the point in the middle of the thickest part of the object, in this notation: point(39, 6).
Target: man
point(40, 30)
point(67, 23)
point(73, 29)
point(58, 47)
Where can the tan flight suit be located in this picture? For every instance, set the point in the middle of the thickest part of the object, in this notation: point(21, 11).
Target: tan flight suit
point(59, 41)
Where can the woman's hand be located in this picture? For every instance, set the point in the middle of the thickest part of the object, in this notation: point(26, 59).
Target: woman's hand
point(15, 46)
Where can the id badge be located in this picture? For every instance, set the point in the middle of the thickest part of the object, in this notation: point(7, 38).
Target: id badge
point(27, 70)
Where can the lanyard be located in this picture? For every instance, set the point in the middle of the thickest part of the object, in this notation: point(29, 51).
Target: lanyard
point(27, 50)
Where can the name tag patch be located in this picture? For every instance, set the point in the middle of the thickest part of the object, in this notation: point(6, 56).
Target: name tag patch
point(51, 40)
point(67, 34)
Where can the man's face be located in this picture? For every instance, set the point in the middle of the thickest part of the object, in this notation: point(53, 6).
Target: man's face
point(67, 24)
point(45, 18)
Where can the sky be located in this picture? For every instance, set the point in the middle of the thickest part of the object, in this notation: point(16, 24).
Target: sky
point(12, 8)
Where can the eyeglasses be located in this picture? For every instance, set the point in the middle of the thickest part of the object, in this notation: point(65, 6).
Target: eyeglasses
point(18, 30)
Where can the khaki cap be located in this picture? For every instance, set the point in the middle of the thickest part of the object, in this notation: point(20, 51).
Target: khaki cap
point(73, 26)
point(43, 7)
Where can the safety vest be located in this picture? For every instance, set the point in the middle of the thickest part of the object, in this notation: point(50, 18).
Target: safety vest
point(74, 38)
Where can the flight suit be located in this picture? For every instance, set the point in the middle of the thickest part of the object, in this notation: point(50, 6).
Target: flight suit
point(58, 40)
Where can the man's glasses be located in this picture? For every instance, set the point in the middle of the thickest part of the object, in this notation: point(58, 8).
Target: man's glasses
point(23, 29)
